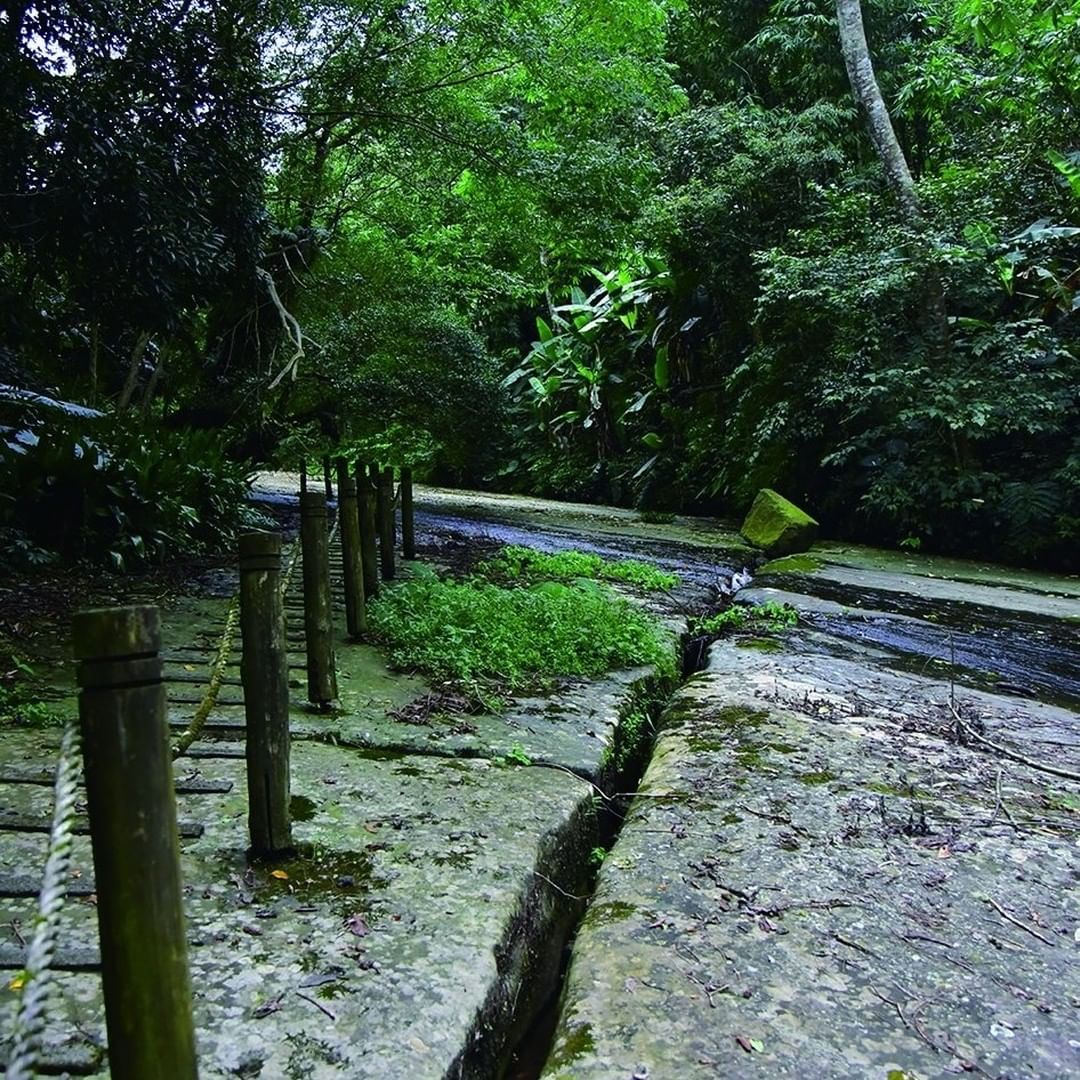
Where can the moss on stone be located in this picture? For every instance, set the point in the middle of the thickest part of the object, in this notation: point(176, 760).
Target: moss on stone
point(575, 1043)
point(778, 526)
point(608, 913)
point(761, 644)
point(792, 564)
point(742, 716)
point(823, 776)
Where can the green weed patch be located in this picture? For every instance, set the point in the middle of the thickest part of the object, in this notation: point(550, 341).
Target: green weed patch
point(476, 632)
point(515, 564)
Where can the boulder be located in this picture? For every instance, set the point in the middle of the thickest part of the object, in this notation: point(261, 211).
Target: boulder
point(777, 526)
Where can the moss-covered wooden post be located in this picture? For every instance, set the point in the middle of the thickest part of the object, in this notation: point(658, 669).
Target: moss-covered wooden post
point(408, 525)
point(375, 472)
point(327, 477)
point(386, 522)
point(351, 559)
point(265, 675)
point(318, 610)
point(365, 503)
point(132, 808)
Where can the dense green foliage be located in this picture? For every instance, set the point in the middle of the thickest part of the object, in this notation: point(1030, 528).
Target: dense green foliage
point(768, 616)
point(474, 632)
point(115, 491)
point(517, 565)
point(25, 701)
point(637, 250)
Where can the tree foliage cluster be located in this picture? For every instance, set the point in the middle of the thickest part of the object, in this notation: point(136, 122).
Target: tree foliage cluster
point(641, 250)
point(909, 380)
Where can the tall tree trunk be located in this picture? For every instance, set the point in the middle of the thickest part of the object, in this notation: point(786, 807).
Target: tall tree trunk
point(133, 370)
point(864, 86)
point(867, 93)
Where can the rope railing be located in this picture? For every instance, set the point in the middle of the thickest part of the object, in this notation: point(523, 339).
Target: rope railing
point(30, 1017)
point(217, 675)
point(35, 982)
point(221, 659)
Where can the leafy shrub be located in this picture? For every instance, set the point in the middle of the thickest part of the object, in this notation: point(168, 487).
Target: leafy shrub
point(769, 616)
point(474, 631)
point(522, 564)
point(656, 517)
point(23, 698)
point(122, 493)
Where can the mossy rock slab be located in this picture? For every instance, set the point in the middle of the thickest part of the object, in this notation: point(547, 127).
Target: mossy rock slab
point(778, 526)
point(803, 872)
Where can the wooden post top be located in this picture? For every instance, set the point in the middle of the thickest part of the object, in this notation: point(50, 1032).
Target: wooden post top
point(117, 647)
point(346, 488)
point(313, 504)
point(116, 633)
point(260, 551)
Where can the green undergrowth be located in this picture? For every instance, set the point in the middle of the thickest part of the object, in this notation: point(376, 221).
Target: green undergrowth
point(517, 565)
point(480, 634)
point(769, 616)
point(25, 700)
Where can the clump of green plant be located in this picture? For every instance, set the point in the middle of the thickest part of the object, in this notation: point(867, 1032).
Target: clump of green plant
point(656, 517)
point(115, 491)
point(632, 732)
point(22, 698)
point(474, 632)
point(768, 617)
point(516, 755)
point(523, 564)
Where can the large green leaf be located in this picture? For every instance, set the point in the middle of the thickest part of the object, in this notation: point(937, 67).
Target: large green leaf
point(661, 374)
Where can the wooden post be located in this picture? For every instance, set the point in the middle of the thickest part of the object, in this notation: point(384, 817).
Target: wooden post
point(351, 559)
point(365, 502)
point(376, 481)
point(408, 527)
point(327, 479)
point(386, 522)
point(132, 807)
point(303, 476)
point(318, 613)
point(265, 675)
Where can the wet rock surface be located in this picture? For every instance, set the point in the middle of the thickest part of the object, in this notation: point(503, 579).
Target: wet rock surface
point(816, 881)
point(994, 627)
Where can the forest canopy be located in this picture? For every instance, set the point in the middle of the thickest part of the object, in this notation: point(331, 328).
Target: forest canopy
point(655, 252)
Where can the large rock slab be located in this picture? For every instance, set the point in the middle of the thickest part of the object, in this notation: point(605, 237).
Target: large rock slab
point(988, 625)
point(815, 880)
point(408, 941)
point(850, 575)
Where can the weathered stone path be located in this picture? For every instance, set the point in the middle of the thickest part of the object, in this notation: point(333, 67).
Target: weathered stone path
point(418, 930)
point(816, 879)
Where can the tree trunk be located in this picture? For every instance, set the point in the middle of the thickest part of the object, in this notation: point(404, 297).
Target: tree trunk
point(133, 370)
point(151, 386)
point(867, 93)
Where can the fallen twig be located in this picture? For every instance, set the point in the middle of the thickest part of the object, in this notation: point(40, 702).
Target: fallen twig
point(318, 1004)
point(971, 733)
point(559, 888)
point(1016, 922)
point(924, 937)
point(852, 944)
point(999, 805)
